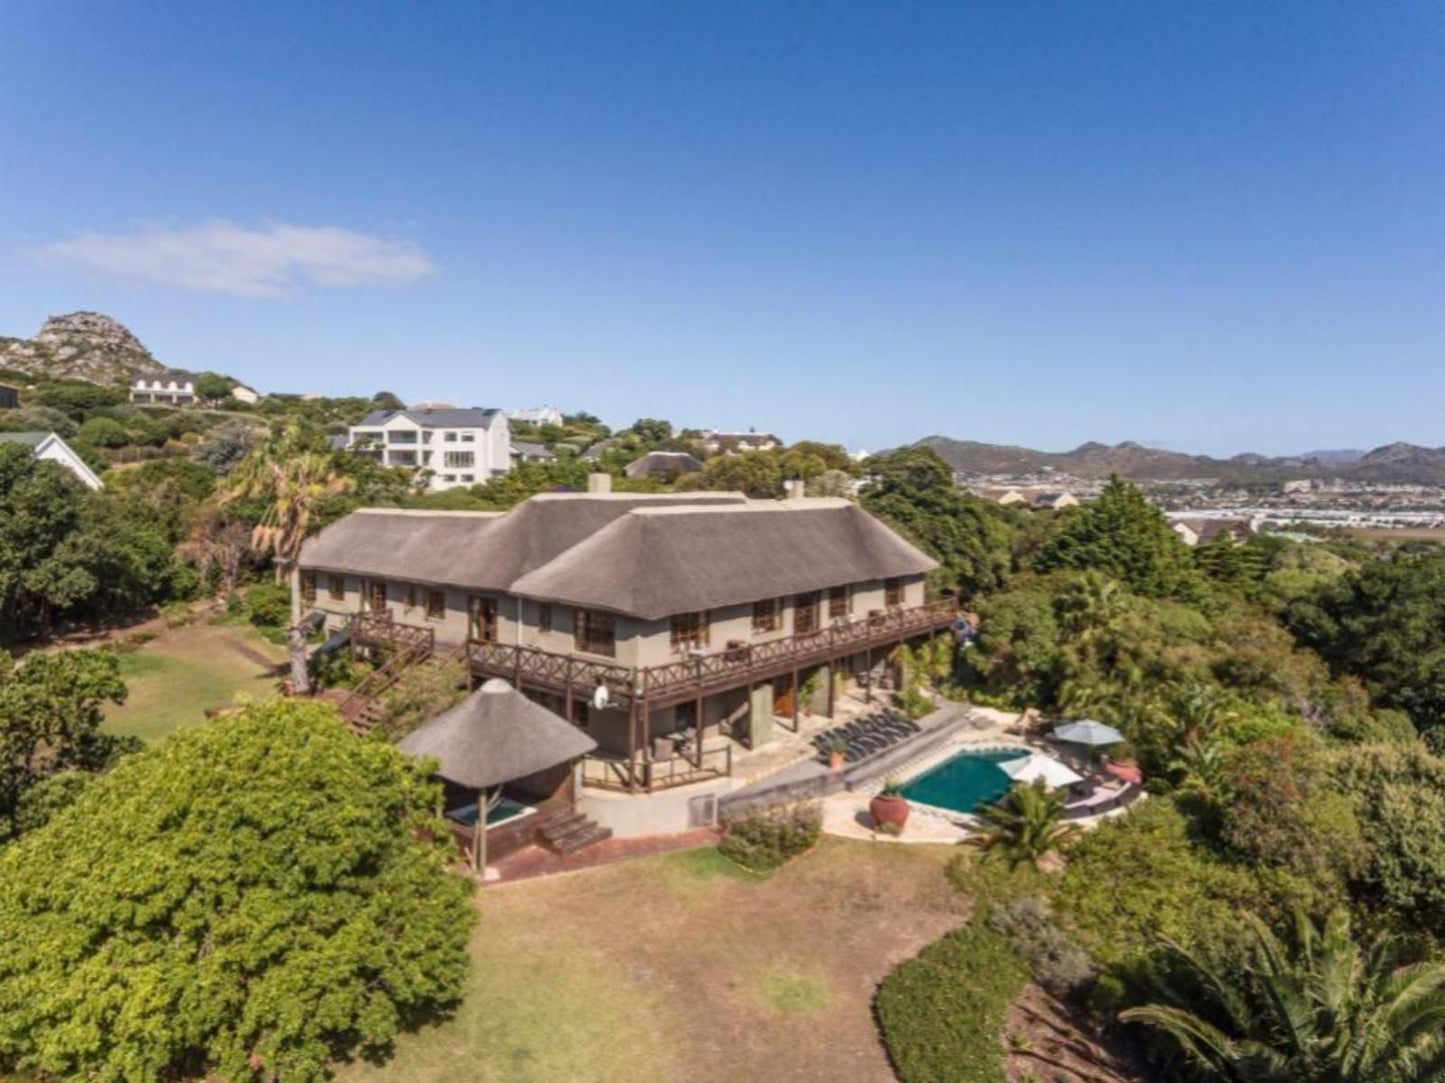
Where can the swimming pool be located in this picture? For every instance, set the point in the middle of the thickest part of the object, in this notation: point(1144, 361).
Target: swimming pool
point(964, 781)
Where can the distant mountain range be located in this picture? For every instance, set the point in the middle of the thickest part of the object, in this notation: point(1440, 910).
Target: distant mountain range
point(79, 346)
point(1393, 463)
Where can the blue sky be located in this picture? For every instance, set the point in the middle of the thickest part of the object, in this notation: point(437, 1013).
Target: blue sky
point(1213, 226)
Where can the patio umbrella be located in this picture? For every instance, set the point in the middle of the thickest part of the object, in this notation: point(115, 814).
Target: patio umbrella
point(1037, 766)
point(1088, 732)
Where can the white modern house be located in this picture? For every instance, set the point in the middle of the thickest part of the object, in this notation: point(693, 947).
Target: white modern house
point(714, 441)
point(452, 447)
point(51, 448)
point(173, 387)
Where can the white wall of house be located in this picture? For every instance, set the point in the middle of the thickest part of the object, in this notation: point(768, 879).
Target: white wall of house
point(168, 389)
point(456, 456)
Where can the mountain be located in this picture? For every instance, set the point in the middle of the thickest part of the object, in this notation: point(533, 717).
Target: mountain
point(1395, 463)
point(80, 346)
point(1336, 455)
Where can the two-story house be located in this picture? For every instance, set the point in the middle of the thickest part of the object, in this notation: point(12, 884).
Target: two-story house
point(455, 447)
point(671, 627)
point(172, 387)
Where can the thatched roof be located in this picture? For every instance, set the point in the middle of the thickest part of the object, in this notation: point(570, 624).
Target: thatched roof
point(496, 735)
point(646, 555)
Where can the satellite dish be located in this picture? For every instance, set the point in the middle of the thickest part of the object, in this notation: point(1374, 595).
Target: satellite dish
point(601, 697)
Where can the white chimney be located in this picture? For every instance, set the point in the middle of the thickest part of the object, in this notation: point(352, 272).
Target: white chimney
point(599, 483)
point(795, 489)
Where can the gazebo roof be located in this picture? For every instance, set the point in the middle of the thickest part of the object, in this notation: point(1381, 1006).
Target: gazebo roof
point(496, 735)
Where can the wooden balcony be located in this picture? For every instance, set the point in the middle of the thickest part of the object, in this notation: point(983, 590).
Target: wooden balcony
point(707, 674)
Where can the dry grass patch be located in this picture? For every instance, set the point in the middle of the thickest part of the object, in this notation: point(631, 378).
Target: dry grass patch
point(683, 967)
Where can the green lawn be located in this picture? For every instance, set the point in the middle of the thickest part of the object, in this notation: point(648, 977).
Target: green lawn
point(683, 968)
point(174, 678)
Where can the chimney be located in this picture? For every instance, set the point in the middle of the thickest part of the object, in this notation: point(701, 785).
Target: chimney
point(795, 489)
point(599, 483)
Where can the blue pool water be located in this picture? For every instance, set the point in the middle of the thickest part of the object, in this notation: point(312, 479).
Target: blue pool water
point(965, 781)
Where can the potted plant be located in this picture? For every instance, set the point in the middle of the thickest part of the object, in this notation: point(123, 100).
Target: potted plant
point(890, 807)
point(837, 750)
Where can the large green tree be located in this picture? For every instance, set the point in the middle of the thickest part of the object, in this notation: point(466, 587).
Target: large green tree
point(1122, 534)
point(914, 490)
point(252, 899)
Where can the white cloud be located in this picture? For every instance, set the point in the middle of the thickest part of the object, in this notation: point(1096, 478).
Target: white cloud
point(226, 257)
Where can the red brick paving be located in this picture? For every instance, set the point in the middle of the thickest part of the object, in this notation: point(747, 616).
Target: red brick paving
point(535, 861)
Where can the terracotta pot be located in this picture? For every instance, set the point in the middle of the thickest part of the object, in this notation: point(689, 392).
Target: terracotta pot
point(835, 760)
point(889, 810)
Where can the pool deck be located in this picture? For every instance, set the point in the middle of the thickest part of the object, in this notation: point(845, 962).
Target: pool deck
point(846, 814)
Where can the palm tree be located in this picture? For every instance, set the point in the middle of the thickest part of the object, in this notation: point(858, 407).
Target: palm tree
point(289, 476)
point(1024, 826)
point(1202, 709)
point(1329, 1011)
point(1201, 768)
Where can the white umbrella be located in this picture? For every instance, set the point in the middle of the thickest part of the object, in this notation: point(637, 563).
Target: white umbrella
point(1037, 766)
point(1088, 732)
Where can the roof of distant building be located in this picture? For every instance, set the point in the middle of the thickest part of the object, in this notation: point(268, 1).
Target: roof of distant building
point(449, 417)
point(663, 462)
point(529, 450)
point(164, 374)
point(29, 439)
point(647, 555)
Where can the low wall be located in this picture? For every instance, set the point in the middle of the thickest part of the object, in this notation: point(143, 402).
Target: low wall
point(662, 813)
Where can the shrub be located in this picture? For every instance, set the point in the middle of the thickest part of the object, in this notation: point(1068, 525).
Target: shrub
point(177, 614)
point(1060, 965)
point(765, 838)
point(942, 1012)
point(422, 693)
point(268, 605)
point(248, 900)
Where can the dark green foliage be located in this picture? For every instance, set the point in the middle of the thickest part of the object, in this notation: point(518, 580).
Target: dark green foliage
point(78, 398)
point(942, 1013)
point(765, 838)
point(51, 709)
point(255, 898)
point(212, 387)
point(104, 432)
point(1122, 534)
point(1323, 1009)
point(913, 490)
point(1384, 624)
point(268, 604)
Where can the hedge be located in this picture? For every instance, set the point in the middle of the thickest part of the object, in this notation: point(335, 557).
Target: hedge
point(942, 1012)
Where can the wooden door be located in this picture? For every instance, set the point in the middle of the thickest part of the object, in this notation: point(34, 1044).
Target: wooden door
point(482, 618)
point(805, 613)
point(376, 596)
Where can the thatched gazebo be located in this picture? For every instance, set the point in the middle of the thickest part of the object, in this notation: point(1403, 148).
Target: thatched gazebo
point(494, 736)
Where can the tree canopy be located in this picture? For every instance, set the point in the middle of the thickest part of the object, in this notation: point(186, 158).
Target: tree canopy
point(257, 896)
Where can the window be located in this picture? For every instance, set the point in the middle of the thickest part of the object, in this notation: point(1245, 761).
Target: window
point(892, 592)
point(595, 633)
point(376, 595)
point(689, 632)
point(308, 587)
point(765, 615)
point(436, 604)
point(805, 613)
point(410, 596)
point(449, 477)
point(468, 477)
point(544, 618)
point(336, 587)
point(453, 459)
point(840, 603)
point(450, 438)
point(469, 437)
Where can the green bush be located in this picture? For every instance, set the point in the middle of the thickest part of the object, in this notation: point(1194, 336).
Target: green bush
point(251, 899)
point(942, 1012)
point(765, 838)
point(1059, 964)
point(268, 604)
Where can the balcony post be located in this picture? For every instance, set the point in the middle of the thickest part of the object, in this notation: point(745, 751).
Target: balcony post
point(632, 736)
point(567, 693)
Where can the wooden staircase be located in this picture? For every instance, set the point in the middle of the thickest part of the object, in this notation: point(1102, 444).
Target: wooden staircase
point(361, 709)
point(565, 831)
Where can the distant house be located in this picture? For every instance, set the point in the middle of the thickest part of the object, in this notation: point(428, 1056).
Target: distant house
point(663, 464)
point(458, 446)
point(1003, 496)
point(50, 447)
point(9, 397)
point(1299, 485)
point(242, 393)
point(525, 451)
point(1201, 530)
point(173, 387)
point(714, 441)
point(1054, 500)
point(541, 415)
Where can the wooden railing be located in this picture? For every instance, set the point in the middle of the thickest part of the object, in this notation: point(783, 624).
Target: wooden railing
point(403, 645)
point(646, 775)
point(380, 631)
point(676, 682)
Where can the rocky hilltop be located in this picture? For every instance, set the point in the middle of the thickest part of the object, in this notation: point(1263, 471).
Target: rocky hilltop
point(1407, 464)
point(80, 346)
